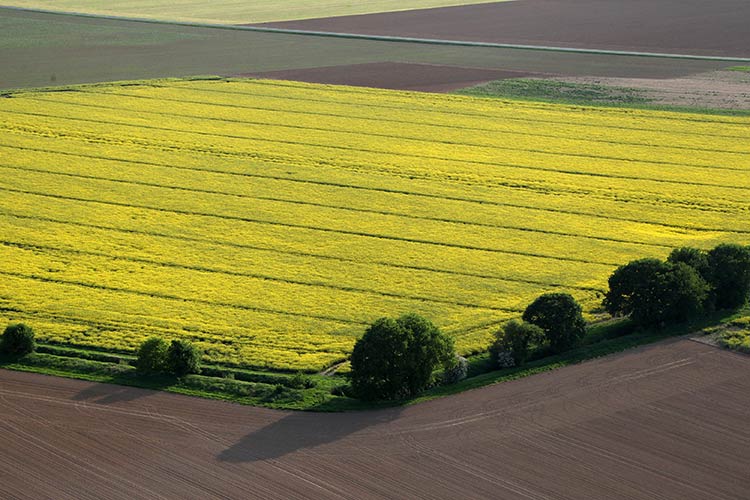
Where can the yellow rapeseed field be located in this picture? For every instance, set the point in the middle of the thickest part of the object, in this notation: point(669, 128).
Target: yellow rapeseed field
point(270, 222)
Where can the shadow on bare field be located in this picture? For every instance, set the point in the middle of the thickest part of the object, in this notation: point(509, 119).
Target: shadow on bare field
point(303, 430)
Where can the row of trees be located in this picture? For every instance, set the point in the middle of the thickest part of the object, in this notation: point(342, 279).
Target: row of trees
point(397, 358)
point(691, 282)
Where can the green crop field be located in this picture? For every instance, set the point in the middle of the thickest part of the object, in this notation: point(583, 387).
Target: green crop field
point(233, 12)
point(270, 222)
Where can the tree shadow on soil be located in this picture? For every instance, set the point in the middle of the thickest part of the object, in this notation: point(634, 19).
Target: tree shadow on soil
point(303, 430)
point(110, 393)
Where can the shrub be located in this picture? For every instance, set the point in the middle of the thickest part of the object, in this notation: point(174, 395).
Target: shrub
point(300, 381)
point(504, 359)
point(396, 358)
point(515, 338)
point(152, 356)
point(729, 274)
point(18, 340)
point(560, 317)
point(457, 371)
point(183, 358)
point(655, 293)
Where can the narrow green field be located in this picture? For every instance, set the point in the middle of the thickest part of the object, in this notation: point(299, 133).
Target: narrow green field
point(233, 12)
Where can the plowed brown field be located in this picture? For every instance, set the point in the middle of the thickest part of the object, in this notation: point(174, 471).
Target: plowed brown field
point(719, 27)
point(667, 421)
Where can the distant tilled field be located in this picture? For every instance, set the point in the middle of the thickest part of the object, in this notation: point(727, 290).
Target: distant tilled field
point(270, 222)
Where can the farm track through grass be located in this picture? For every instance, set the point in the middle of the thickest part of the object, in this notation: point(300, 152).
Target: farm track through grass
point(269, 222)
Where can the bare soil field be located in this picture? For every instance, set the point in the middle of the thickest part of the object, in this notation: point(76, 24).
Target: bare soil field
point(666, 421)
point(672, 26)
point(391, 75)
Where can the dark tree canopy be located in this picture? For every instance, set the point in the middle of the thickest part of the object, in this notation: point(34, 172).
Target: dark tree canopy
point(18, 340)
point(152, 356)
point(693, 257)
point(654, 292)
point(183, 358)
point(515, 338)
point(729, 275)
point(560, 317)
point(395, 358)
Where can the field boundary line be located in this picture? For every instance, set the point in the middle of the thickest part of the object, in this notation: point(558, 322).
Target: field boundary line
point(384, 38)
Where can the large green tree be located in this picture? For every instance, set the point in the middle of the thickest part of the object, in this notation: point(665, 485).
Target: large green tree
point(655, 293)
point(152, 356)
point(183, 358)
point(729, 274)
point(560, 317)
point(395, 358)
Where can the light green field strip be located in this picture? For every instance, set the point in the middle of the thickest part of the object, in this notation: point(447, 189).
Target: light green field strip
point(234, 12)
point(270, 222)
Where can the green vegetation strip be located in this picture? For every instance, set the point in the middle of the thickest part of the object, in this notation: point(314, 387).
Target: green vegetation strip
point(268, 389)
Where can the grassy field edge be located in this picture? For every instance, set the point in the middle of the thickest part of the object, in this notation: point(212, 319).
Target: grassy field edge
point(603, 339)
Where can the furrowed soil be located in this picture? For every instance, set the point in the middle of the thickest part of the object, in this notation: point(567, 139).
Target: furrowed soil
point(664, 421)
point(717, 28)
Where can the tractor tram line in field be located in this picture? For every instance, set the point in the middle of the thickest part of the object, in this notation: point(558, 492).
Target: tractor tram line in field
point(316, 263)
point(441, 197)
point(441, 127)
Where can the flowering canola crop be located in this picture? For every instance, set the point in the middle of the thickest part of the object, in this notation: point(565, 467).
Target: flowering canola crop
point(270, 222)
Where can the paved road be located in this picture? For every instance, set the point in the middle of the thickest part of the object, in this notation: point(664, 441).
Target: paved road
point(668, 421)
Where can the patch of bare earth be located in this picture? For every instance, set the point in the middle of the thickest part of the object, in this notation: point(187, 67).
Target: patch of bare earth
point(664, 421)
point(713, 90)
point(394, 75)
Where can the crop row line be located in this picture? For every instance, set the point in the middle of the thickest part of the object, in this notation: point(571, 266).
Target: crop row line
point(525, 104)
point(246, 246)
point(34, 97)
point(204, 269)
point(383, 190)
point(526, 185)
point(310, 228)
point(416, 155)
point(166, 296)
point(336, 207)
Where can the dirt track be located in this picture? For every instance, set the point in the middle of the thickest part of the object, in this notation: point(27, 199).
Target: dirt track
point(719, 27)
point(667, 421)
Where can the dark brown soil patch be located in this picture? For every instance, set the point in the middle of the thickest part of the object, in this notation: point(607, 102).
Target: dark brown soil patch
point(719, 27)
point(663, 421)
point(393, 75)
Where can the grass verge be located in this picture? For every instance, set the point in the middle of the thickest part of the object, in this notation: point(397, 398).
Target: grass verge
point(582, 94)
point(323, 393)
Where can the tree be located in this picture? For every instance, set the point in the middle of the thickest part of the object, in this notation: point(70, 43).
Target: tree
point(729, 274)
point(183, 358)
point(655, 293)
point(18, 340)
point(516, 338)
point(152, 356)
point(560, 317)
point(395, 358)
point(693, 257)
